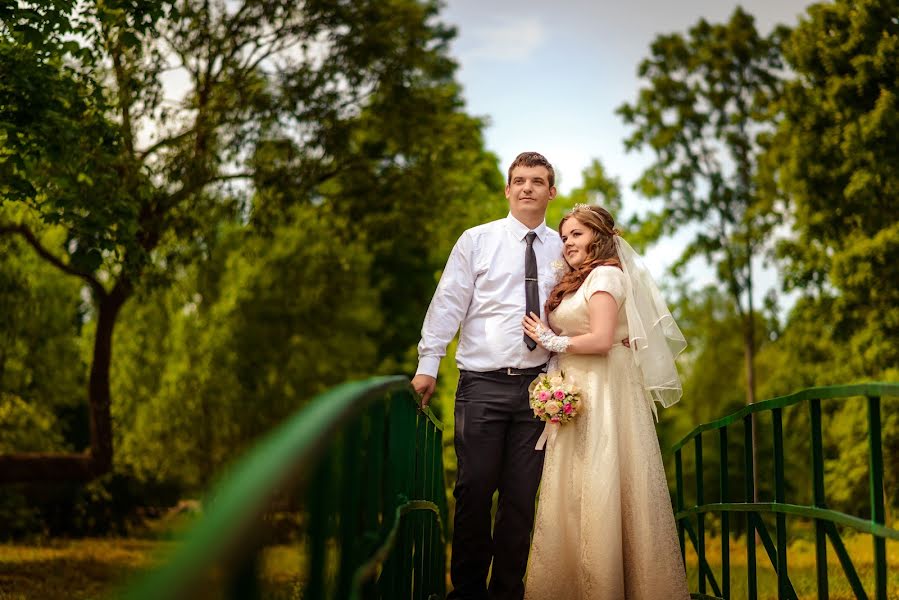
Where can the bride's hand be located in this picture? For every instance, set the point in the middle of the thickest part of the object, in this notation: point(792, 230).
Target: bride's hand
point(530, 324)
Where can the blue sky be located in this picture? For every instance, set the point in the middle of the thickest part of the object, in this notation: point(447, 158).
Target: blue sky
point(548, 76)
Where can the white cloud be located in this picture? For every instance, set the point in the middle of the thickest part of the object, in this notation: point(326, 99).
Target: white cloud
point(506, 40)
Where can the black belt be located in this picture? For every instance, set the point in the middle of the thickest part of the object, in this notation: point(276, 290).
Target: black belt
point(533, 371)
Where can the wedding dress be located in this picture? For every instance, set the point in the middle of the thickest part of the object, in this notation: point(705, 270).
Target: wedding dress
point(605, 527)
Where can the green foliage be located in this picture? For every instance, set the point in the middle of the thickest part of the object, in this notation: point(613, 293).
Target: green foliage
point(839, 131)
point(356, 169)
point(597, 187)
point(868, 308)
point(257, 218)
point(713, 377)
point(838, 152)
point(703, 114)
point(58, 153)
point(712, 365)
point(41, 362)
point(247, 338)
point(835, 160)
point(420, 177)
point(26, 426)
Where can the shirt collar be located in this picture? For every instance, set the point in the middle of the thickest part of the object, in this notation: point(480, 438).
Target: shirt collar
point(519, 229)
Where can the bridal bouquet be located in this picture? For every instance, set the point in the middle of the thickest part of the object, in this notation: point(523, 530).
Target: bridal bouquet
point(554, 401)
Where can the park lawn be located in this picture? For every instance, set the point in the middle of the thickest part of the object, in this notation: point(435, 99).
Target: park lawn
point(800, 567)
point(77, 569)
point(93, 568)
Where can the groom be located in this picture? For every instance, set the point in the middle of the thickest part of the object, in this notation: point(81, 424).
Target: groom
point(497, 272)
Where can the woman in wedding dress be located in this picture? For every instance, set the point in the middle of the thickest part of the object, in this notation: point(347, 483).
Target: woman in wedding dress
point(605, 527)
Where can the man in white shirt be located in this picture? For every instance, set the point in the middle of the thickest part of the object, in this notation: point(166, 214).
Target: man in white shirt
point(496, 273)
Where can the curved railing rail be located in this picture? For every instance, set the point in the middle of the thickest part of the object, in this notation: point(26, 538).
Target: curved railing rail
point(367, 464)
point(824, 518)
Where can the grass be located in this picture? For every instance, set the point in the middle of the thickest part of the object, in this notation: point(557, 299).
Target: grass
point(92, 568)
point(800, 567)
point(76, 569)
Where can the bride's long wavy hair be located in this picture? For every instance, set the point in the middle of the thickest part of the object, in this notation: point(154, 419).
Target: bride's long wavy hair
point(601, 251)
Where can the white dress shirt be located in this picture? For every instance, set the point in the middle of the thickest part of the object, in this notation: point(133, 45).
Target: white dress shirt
point(482, 289)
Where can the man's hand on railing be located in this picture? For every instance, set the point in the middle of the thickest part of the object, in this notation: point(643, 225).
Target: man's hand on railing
point(424, 386)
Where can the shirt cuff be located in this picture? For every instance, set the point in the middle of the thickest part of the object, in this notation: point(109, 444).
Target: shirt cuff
point(428, 365)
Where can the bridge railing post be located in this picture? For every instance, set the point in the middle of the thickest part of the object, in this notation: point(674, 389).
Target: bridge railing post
point(825, 519)
point(700, 517)
point(679, 501)
point(749, 496)
point(818, 497)
point(780, 498)
point(725, 516)
point(877, 505)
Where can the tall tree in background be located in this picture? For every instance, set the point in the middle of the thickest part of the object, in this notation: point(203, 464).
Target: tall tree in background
point(421, 177)
point(91, 140)
point(837, 161)
point(705, 114)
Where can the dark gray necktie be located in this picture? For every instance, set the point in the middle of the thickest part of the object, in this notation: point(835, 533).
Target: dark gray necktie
point(531, 295)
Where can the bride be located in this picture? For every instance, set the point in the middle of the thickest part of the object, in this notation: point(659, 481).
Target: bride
point(605, 527)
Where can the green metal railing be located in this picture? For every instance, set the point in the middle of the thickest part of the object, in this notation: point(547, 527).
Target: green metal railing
point(825, 519)
point(367, 464)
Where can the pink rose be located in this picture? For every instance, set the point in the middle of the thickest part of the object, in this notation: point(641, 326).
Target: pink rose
point(553, 408)
point(568, 408)
point(559, 394)
point(544, 396)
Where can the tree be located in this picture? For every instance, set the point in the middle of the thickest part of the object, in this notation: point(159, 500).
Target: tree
point(705, 114)
point(91, 142)
point(51, 130)
point(837, 166)
point(597, 187)
point(421, 177)
point(250, 336)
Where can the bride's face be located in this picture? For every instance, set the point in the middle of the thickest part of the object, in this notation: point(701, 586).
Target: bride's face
point(576, 239)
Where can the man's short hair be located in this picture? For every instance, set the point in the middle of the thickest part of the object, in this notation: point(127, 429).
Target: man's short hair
point(532, 159)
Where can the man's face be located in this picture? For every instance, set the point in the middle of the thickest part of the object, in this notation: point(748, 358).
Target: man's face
point(529, 191)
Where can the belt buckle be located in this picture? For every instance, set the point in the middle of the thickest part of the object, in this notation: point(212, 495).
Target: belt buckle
point(509, 371)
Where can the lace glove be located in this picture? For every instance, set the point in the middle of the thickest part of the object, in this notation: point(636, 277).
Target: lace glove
point(551, 341)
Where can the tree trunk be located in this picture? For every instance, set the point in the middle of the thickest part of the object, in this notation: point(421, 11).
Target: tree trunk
point(98, 387)
point(749, 354)
point(97, 460)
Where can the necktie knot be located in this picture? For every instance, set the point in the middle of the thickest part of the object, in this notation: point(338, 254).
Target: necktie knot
point(530, 237)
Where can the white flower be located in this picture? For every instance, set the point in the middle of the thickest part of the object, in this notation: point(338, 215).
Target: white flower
point(559, 267)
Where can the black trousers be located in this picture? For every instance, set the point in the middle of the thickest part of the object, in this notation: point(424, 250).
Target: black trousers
point(495, 436)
